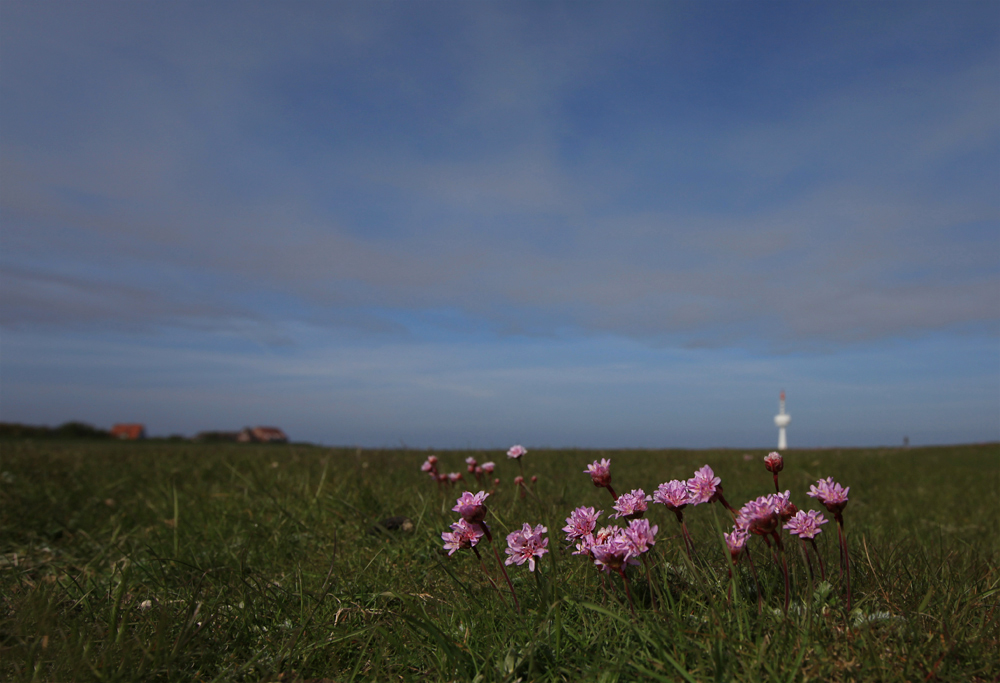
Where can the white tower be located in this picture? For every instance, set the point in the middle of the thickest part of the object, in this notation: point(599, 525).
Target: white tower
point(781, 420)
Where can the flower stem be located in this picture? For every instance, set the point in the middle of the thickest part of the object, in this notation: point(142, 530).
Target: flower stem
point(612, 492)
point(845, 558)
point(756, 581)
point(822, 569)
point(489, 537)
point(628, 593)
point(488, 577)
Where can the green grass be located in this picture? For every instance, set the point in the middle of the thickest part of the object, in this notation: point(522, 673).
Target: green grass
point(258, 563)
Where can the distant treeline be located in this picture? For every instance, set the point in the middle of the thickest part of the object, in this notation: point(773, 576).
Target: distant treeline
point(69, 430)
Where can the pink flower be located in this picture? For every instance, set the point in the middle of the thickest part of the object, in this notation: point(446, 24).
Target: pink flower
point(472, 507)
point(736, 542)
point(702, 486)
point(581, 522)
point(759, 516)
point(614, 551)
point(518, 480)
point(584, 546)
point(831, 494)
point(673, 494)
point(774, 462)
point(525, 545)
point(806, 524)
point(516, 452)
point(783, 504)
point(454, 477)
point(429, 466)
point(641, 535)
point(632, 504)
point(432, 459)
point(463, 535)
point(600, 472)
point(488, 467)
point(470, 461)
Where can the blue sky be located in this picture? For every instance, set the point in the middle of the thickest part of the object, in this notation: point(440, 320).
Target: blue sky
point(453, 224)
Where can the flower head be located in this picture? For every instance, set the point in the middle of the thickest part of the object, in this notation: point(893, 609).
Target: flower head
point(702, 486)
point(463, 535)
point(640, 535)
point(760, 516)
point(581, 522)
point(831, 494)
point(632, 504)
point(600, 472)
point(518, 480)
point(516, 452)
point(774, 462)
point(471, 461)
point(673, 494)
point(525, 545)
point(736, 542)
point(784, 505)
point(806, 524)
point(488, 467)
point(585, 544)
point(454, 477)
point(471, 506)
point(613, 551)
point(430, 465)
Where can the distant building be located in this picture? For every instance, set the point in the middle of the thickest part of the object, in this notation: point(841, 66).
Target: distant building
point(129, 432)
point(262, 435)
point(216, 436)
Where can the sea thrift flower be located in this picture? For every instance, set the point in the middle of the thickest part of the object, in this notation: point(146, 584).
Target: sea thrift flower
point(585, 545)
point(516, 452)
point(534, 479)
point(454, 477)
point(759, 516)
point(774, 462)
point(472, 507)
point(785, 507)
point(673, 494)
point(525, 545)
point(702, 486)
point(831, 494)
point(428, 466)
point(736, 542)
point(632, 504)
point(463, 535)
point(641, 535)
point(519, 480)
point(614, 552)
point(581, 522)
point(806, 524)
point(488, 467)
point(471, 462)
point(600, 472)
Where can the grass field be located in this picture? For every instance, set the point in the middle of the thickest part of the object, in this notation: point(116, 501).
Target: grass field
point(194, 562)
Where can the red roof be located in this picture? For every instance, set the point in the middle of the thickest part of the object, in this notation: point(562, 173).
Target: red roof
point(129, 431)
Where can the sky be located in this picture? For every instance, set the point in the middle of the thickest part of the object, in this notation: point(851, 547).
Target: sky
point(473, 224)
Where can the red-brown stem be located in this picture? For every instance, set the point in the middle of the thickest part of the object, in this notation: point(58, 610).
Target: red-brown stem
point(488, 577)
point(628, 593)
point(809, 563)
point(784, 568)
point(688, 541)
point(776, 483)
point(756, 581)
point(489, 537)
point(822, 569)
point(612, 492)
point(649, 580)
point(845, 558)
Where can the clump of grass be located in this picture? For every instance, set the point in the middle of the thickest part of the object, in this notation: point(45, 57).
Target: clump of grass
point(180, 562)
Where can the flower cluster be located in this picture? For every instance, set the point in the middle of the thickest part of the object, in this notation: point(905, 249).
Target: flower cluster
point(525, 545)
point(462, 536)
point(612, 549)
